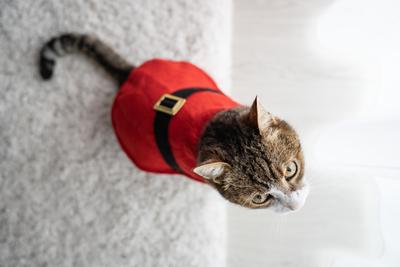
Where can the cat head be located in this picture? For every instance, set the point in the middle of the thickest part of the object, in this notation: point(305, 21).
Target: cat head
point(254, 159)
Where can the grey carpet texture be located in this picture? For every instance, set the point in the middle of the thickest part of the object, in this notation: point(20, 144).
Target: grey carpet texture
point(69, 196)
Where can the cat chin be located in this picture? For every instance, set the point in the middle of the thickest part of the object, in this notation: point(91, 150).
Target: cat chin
point(286, 203)
point(279, 208)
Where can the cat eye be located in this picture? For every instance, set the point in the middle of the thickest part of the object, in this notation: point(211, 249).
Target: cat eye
point(290, 170)
point(260, 198)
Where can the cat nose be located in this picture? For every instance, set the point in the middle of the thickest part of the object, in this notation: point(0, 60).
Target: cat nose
point(294, 206)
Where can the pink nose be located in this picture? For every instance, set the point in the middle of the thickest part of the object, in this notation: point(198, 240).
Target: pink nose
point(293, 206)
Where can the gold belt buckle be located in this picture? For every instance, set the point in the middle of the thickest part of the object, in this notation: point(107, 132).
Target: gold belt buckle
point(169, 104)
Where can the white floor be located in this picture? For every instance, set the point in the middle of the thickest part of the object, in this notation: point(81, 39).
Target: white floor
point(315, 63)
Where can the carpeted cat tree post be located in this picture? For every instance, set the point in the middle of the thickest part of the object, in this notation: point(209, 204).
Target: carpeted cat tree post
point(68, 194)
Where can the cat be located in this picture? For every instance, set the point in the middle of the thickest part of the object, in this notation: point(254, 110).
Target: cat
point(251, 157)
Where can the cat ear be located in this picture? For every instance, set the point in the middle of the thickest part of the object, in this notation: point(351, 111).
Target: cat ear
point(260, 117)
point(212, 171)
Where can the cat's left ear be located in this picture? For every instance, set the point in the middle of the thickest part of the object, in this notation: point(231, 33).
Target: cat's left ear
point(212, 171)
point(259, 117)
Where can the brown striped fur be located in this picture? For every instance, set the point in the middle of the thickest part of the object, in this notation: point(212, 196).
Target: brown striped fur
point(89, 45)
point(255, 159)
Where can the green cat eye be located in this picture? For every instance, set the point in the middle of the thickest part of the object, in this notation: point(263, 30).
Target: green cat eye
point(260, 198)
point(290, 170)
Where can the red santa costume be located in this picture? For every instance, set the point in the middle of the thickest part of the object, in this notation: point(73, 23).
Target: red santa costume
point(160, 113)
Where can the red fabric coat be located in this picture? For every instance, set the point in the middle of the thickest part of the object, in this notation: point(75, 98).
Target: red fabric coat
point(133, 114)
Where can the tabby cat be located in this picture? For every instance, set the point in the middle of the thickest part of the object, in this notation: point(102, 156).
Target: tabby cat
point(251, 157)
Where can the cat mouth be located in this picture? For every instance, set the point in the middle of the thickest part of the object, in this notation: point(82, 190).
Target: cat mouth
point(283, 209)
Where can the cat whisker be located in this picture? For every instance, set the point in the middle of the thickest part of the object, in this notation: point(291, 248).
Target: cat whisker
point(248, 200)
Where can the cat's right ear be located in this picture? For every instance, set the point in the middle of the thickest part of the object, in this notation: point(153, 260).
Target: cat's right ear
point(259, 117)
point(212, 171)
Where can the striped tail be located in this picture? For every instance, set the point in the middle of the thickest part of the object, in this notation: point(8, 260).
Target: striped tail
point(91, 46)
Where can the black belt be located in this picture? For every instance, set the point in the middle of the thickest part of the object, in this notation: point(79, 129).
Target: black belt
point(166, 107)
